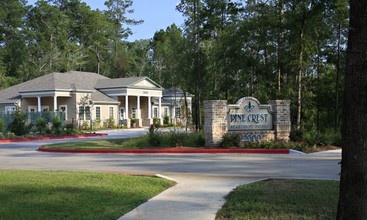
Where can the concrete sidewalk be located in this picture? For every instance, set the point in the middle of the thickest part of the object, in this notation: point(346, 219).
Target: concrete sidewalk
point(202, 201)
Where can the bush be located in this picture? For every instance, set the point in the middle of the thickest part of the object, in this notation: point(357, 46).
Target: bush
point(2, 126)
point(19, 126)
point(41, 125)
point(56, 125)
point(69, 128)
point(230, 140)
point(156, 122)
point(195, 139)
point(166, 120)
point(154, 136)
point(296, 135)
point(177, 138)
point(109, 123)
point(322, 138)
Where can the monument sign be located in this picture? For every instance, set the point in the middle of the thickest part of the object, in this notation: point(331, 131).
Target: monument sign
point(255, 122)
point(248, 114)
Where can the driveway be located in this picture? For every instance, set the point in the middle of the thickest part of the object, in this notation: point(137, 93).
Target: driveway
point(203, 179)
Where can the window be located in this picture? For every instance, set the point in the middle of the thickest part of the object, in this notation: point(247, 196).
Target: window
point(87, 113)
point(178, 112)
point(165, 111)
point(155, 112)
point(81, 112)
point(10, 109)
point(111, 112)
point(98, 112)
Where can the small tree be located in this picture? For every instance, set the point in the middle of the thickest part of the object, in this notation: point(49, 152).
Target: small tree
point(19, 125)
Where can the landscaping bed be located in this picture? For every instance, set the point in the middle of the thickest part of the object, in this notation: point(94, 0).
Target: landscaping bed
point(73, 195)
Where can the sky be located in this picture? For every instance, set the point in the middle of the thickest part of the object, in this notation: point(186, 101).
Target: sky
point(157, 15)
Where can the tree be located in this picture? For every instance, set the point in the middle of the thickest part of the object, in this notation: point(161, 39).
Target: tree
point(117, 11)
point(353, 181)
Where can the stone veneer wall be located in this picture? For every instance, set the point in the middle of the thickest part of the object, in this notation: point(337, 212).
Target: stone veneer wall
point(215, 121)
point(282, 119)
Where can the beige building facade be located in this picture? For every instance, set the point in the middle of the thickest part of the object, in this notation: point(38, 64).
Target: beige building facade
point(86, 97)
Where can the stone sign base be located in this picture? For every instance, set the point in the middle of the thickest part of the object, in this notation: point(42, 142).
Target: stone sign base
point(220, 118)
point(255, 136)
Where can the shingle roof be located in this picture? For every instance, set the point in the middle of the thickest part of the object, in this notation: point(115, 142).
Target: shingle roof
point(72, 80)
point(175, 92)
point(98, 96)
point(116, 83)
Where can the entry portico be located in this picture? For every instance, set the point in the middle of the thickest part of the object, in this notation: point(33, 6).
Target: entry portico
point(135, 95)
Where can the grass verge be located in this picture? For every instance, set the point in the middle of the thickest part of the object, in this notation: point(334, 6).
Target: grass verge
point(73, 195)
point(282, 199)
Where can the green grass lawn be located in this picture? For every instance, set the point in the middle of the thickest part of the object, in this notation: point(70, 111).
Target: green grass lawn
point(282, 199)
point(73, 195)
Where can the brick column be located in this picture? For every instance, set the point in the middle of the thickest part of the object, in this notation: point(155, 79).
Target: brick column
point(282, 119)
point(215, 121)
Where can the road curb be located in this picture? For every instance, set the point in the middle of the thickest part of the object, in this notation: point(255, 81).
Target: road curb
point(52, 138)
point(170, 151)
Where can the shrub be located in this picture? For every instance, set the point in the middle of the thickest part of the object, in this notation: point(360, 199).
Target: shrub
point(230, 140)
point(69, 128)
point(296, 135)
point(2, 126)
point(177, 138)
point(84, 125)
point(156, 122)
point(166, 120)
point(109, 123)
point(195, 139)
point(56, 125)
point(97, 123)
point(41, 125)
point(18, 126)
point(154, 136)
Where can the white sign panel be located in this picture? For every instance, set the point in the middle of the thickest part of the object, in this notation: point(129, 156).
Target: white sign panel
point(248, 114)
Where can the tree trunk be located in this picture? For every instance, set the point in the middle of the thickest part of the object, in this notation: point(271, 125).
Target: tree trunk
point(299, 78)
point(280, 46)
point(336, 123)
point(353, 182)
point(98, 56)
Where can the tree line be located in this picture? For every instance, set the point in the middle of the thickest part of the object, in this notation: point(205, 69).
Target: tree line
point(226, 49)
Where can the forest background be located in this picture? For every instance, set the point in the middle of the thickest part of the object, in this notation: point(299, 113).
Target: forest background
point(227, 49)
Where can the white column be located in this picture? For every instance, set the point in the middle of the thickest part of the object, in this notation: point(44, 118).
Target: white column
point(149, 107)
point(138, 116)
point(126, 107)
point(160, 110)
point(159, 107)
point(174, 112)
point(55, 103)
point(39, 104)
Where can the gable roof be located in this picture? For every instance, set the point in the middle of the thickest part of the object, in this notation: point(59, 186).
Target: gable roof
point(124, 83)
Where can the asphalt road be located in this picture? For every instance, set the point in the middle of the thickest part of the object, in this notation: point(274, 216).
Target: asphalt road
point(203, 179)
